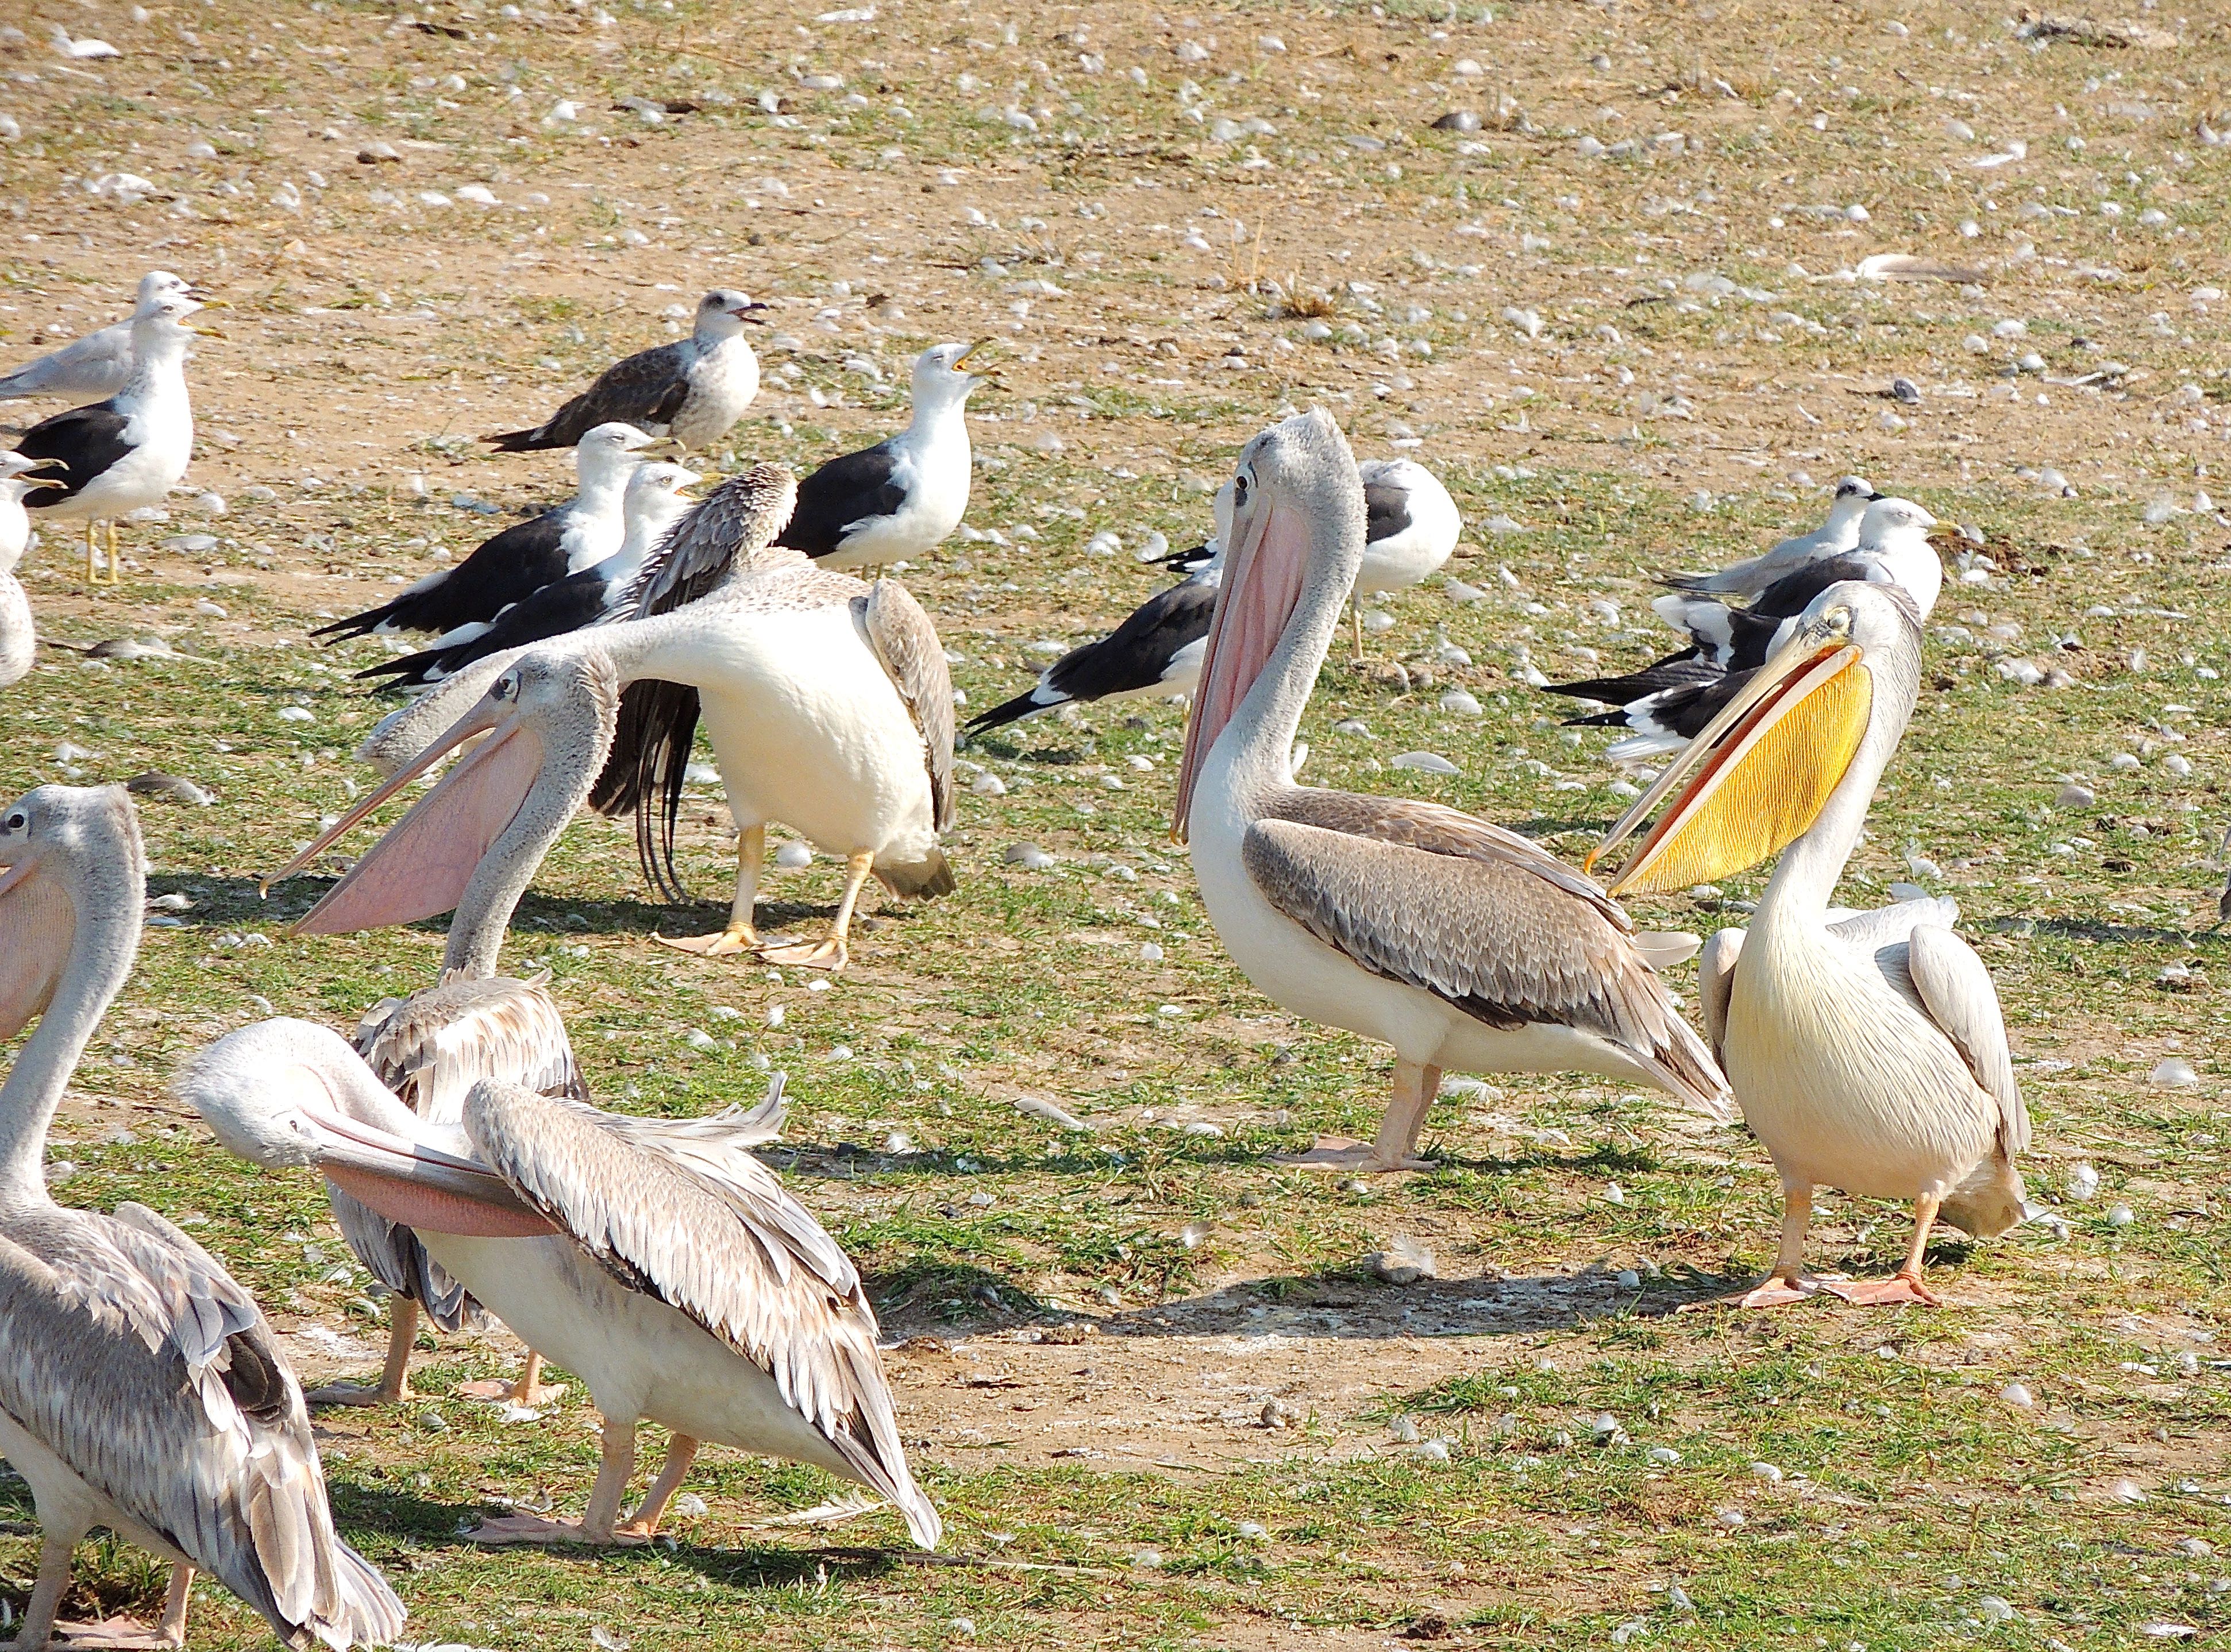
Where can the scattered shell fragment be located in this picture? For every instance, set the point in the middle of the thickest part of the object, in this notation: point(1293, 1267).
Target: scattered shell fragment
point(1405, 1262)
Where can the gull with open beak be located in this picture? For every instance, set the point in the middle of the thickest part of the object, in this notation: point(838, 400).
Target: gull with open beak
point(657, 1259)
point(1868, 1053)
point(827, 699)
point(1462, 944)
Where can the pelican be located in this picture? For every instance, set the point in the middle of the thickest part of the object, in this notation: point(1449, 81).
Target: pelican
point(1460, 943)
point(827, 700)
point(661, 1262)
point(1867, 1054)
point(429, 1049)
point(141, 1387)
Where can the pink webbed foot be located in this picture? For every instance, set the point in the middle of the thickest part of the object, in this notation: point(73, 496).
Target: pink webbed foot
point(1897, 1291)
point(496, 1529)
point(1357, 1158)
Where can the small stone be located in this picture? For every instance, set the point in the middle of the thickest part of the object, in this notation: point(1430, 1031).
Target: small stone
point(2121, 1216)
point(2083, 1182)
point(1729, 1519)
point(2073, 795)
point(2127, 1491)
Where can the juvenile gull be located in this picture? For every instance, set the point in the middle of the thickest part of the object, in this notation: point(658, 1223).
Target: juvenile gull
point(97, 366)
point(461, 602)
point(693, 390)
point(900, 498)
point(124, 454)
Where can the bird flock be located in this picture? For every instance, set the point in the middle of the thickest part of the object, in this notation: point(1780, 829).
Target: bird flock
point(569, 661)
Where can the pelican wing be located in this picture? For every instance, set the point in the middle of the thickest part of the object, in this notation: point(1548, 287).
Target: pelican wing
point(724, 1245)
point(700, 553)
point(129, 1352)
point(1956, 992)
point(1477, 916)
point(906, 642)
point(1715, 985)
point(429, 1048)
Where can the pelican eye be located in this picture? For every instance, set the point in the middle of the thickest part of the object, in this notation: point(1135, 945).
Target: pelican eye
point(18, 821)
point(1242, 485)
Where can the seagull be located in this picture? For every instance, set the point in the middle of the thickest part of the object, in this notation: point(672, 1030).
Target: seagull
point(1153, 653)
point(693, 390)
point(97, 366)
point(1667, 702)
point(656, 499)
point(1745, 580)
point(80, 49)
point(1410, 529)
point(900, 498)
point(18, 640)
point(126, 453)
point(462, 601)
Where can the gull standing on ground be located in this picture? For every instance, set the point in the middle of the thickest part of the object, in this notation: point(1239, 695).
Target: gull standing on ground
point(827, 701)
point(1743, 581)
point(125, 454)
point(1155, 653)
point(1459, 943)
point(1668, 701)
point(1411, 530)
point(97, 366)
point(462, 601)
point(693, 390)
point(898, 499)
point(141, 1387)
point(656, 499)
point(18, 638)
point(1867, 1053)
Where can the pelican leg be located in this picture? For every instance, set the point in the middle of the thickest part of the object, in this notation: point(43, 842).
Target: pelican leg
point(595, 1527)
point(527, 1389)
point(394, 1374)
point(1396, 1147)
point(38, 1619)
point(681, 1452)
point(119, 1632)
point(738, 936)
point(1905, 1286)
point(1787, 1283)
point(1355, 622)
point(831, 951)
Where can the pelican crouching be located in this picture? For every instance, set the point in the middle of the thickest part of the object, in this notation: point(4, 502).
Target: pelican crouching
point(1461, 944)
point(141, 1387)
point(1867, 1054)
point(658, 1261)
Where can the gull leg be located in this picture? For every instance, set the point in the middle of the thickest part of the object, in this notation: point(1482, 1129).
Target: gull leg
point(115, 561)
point(394, 1375)
point(831, 951)
point(91, 556)
point(681, 1452)
point(595, 1527)
point(738, 936)
point(1396, 1146)
point(1905, 1286)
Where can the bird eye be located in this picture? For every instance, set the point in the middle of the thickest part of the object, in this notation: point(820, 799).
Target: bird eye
point(504, 686)
point(18, 822)
point(1242, 485)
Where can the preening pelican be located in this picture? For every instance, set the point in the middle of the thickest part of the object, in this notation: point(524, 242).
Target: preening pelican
point(659, 1260)
point(1460, 943)
point(429, 1049)
point(1869, 1053)
point(141, 1387)
point(827, 700)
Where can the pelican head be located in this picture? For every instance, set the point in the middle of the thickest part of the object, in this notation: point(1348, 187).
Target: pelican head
point(69, 859)
point(473, 841)
point(1761, 771)
point(940, 374)
point(1298, 532)
point(724, 311)
point(288, 1094)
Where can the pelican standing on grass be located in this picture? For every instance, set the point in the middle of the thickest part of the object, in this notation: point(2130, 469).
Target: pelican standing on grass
point(659, 1260)
point(1462, 944)
point(827, 700)
point(141, 1387)
point(1868, 1053)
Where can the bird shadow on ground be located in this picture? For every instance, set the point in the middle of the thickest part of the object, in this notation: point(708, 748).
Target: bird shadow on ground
point(2104, 934)
point(224, 902)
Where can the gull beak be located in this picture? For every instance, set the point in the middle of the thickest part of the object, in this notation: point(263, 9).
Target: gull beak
point(961, 361)
point(208, 303)
point(750, 312)
point(44, 482)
